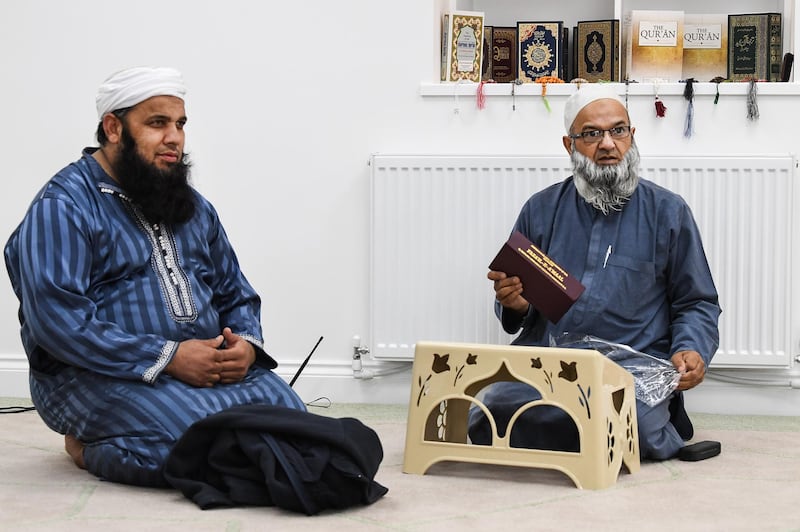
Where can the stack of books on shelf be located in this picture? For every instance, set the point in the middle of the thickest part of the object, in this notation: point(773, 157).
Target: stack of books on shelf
point(646, 46)
point(673, 45)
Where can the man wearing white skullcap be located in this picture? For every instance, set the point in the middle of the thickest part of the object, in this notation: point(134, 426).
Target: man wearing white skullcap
point(135, 315)
point(636, 249)
point(129, 87)
point(588, 93)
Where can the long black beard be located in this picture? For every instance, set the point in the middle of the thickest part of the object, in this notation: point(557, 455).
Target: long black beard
point(163, 196)
point(606, 187)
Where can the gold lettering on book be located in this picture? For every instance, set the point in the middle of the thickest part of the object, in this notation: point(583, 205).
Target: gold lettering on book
point(545, 265)
point(501, 54)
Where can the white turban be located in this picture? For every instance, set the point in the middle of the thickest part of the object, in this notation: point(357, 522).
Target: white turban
point(128, 87)
point(587, 93)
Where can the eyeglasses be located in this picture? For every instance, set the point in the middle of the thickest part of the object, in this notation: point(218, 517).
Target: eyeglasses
point(593, 136)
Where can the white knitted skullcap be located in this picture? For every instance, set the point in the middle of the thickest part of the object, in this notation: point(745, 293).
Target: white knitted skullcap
point(587, 93)
point(128, 87)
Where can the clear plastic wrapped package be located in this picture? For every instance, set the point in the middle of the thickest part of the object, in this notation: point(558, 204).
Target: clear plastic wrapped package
point(654, 378)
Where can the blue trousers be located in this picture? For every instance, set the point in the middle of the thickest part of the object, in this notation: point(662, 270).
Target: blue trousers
point(550, 428)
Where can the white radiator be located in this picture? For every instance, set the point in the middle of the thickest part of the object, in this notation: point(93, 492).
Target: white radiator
point(438, 221)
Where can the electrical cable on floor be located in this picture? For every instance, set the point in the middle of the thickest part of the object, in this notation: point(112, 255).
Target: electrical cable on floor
point(376, 371)
point(320, 402)
point(16, 409)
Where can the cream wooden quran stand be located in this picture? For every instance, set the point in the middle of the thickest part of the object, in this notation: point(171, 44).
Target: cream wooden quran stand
point(594, 391)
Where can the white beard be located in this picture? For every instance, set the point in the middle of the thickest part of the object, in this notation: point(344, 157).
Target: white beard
point(606, 187)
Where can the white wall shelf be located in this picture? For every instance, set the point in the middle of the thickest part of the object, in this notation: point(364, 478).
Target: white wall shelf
point(633, 89)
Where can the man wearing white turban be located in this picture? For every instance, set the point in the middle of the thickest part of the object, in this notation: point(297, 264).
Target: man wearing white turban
point(129, 87)
point(638, 252)
point(135, 316)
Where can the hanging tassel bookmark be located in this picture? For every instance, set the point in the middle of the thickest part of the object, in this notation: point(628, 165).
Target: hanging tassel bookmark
point(688, 93)
point(481, 95)
point(661, 109)
point(752, 101)
point(514, 94)
point(627, 86)
point(544, 80)
point(717, 80)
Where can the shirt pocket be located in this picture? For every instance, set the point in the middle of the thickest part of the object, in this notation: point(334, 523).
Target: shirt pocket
point(630, 288)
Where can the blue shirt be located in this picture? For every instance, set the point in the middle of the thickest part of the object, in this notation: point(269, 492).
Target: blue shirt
point(648, 283)
point(102, 289)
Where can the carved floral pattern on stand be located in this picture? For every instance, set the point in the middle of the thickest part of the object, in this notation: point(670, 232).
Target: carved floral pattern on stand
point(569, 372)
point(441, 365)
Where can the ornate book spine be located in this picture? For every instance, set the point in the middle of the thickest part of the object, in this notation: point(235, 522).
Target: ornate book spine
point(445, 45)
point(573, 55)
point(564, 55)
point(539, 50)
point(504, 54)
point(775, 46)
point(597, 44)
point(486, 73)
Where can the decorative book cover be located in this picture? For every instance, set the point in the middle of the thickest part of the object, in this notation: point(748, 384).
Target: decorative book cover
point(755, 48)
point(545, 284)
point(705, 46)
point(597, 44)
point(504, 54)
point(462, 46)
point(655, 46)
point(486, 69)
point(539, 50)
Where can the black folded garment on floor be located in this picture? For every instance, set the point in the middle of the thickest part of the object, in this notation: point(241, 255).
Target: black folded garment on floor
point(263, 455)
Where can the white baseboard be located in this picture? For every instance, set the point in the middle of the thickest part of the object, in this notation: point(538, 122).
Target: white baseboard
point(14, 376)
point(736, 399)
point(336, 383)
point(333, 381)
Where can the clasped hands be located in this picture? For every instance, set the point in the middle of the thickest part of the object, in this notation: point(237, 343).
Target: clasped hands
point(508, 291)
point(204, 363)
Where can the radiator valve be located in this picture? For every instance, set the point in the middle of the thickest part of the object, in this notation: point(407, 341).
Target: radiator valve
point(359, 351)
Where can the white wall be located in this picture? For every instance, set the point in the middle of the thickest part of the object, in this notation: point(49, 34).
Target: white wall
point(285, 106)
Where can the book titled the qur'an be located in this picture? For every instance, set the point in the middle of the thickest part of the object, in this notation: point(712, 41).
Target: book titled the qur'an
point(755, 49)
point(545, 284)
point(705, 46)
point(654, 46)
point(462, 46)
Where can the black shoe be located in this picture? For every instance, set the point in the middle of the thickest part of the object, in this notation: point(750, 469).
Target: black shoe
point(679, 418)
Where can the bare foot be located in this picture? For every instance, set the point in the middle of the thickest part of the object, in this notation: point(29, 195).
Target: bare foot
point(74, 449)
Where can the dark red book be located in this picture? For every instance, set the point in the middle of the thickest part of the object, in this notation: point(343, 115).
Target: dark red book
point(545, 285)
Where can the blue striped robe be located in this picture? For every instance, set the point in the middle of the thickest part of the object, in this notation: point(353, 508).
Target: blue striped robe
point(105, 298)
